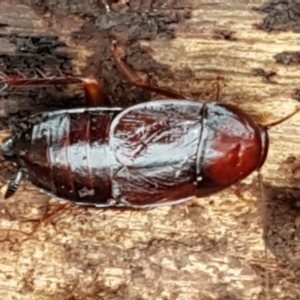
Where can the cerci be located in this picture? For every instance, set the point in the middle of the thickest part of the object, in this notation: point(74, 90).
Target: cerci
point(155, 153)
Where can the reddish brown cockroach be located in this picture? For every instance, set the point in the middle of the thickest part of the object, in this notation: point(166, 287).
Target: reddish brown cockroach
point(154, 153)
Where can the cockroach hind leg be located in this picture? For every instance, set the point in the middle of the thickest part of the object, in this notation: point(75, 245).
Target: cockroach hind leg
point(136, 80)
point(95, 95)
point(94, 92)
point(13, 184)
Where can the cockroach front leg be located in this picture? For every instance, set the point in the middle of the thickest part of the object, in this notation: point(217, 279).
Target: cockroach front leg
point(136, 80)
point(215, 90)
point(94, 92)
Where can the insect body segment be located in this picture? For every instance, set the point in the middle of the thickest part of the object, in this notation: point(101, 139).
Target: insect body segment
point(65, 153)
point(150, 154)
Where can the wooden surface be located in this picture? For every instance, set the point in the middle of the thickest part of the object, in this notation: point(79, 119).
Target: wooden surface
point(233, 245)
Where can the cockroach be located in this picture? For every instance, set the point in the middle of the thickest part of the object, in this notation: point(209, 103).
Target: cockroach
point(160, 152)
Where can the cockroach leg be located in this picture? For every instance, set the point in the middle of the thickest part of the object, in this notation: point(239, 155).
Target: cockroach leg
point(136, 80)
point(58, 209)
point(94, 92)
point(219, 85)
point(213, 90)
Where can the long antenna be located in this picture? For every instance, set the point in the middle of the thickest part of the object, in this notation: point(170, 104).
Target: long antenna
point(283, 119)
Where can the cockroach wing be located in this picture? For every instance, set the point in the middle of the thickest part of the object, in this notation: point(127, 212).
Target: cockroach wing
point(155, 146)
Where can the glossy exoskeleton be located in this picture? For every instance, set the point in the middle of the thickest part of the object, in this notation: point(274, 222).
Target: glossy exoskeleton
point(150, 154)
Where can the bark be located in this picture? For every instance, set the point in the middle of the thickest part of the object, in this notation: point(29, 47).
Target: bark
point(237, 244)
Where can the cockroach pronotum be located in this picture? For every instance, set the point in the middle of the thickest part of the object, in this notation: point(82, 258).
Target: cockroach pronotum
point(155, 153)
